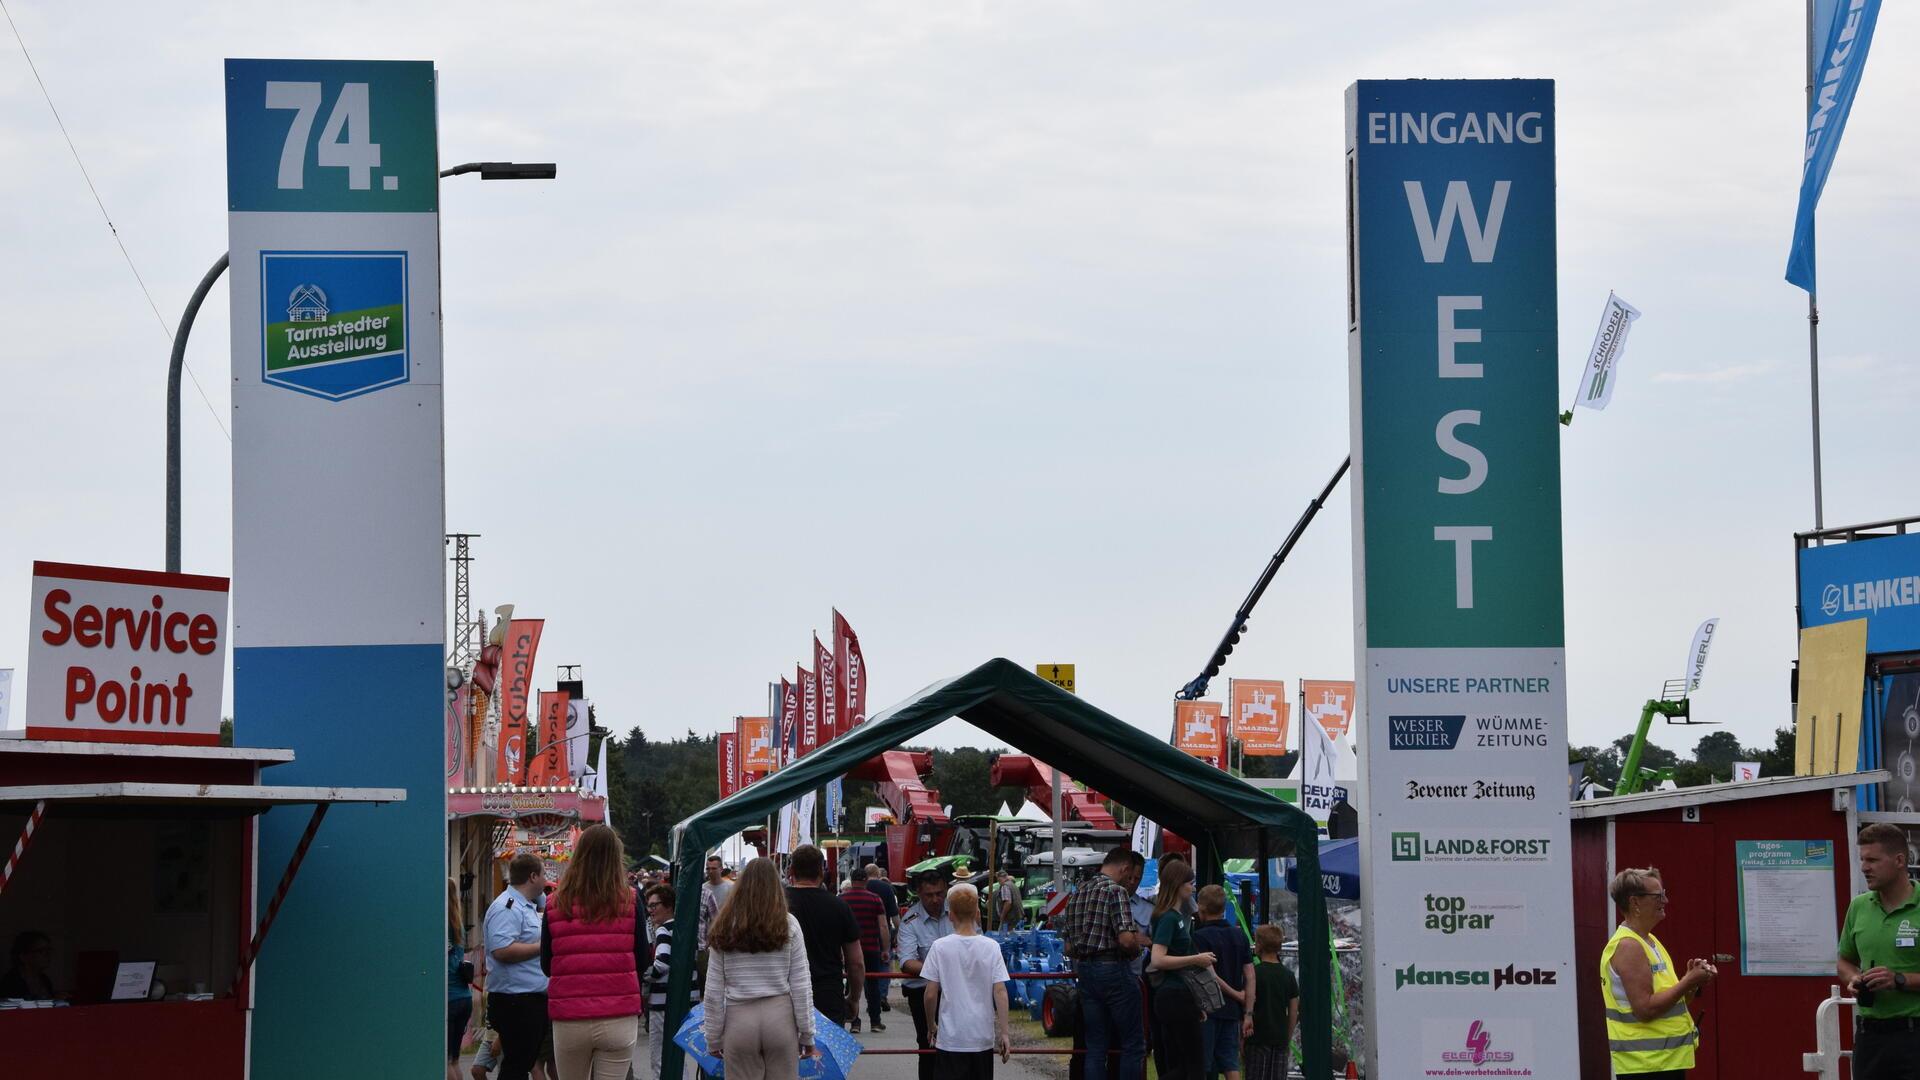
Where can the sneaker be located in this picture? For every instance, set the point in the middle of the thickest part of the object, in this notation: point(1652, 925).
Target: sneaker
point(886, 1006)
point(878, 1026)
point(854, 1026)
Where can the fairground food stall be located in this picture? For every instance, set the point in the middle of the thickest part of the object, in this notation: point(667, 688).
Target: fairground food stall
point(130, 902)
point(487, 827)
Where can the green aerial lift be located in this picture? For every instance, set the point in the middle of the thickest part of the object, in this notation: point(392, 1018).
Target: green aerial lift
point(1672, 704)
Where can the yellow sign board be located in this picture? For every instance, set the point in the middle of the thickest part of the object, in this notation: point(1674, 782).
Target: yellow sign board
point(1833, 671)
point(1060, 675)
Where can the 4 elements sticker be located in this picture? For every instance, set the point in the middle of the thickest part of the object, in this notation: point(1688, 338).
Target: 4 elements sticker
point(334, 323)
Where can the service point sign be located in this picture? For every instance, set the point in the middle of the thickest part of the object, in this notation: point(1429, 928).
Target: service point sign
point(125, 655)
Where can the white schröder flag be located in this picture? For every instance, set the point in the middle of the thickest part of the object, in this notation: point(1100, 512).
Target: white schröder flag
point(1697, 654)
point(1603, 360)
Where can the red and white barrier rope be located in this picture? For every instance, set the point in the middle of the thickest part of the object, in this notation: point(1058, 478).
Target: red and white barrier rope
point(26, 840)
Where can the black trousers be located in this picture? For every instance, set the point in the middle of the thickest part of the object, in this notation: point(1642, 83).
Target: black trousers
point(830, 997)
point(521, 1020)
point(1885, 1054)
point(1177, 1022)
point(917, 1005)
point(958, 1065)
point(875, 989)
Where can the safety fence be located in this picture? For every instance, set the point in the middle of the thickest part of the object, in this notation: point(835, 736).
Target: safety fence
point(1827, 1054)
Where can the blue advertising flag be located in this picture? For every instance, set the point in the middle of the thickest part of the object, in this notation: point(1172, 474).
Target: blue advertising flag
point(1836, 78)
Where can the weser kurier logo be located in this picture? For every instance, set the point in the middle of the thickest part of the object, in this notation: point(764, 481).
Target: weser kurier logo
point(333, 324)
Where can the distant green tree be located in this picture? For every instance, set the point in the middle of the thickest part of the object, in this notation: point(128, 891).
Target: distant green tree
point(226, 731)
point(1717, 751)
point(1777, 761)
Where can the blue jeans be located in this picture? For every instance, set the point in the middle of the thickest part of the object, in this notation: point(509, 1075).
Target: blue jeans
point(1220, 1046)
point(1110, 1010)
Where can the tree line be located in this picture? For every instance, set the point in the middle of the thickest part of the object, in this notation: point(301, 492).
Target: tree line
point(1712, 760)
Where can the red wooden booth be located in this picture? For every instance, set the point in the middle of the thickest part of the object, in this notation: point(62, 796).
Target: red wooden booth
point(1751, 1024)
point(138, 862)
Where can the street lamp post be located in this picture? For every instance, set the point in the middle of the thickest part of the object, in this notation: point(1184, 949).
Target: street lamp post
point(488, 170)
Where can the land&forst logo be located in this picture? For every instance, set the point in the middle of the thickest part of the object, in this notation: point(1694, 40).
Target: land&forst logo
point(334, 323)
point(1469, 847)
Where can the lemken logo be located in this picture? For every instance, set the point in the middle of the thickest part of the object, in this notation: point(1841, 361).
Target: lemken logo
point(1870, 596)
point(1497, 978)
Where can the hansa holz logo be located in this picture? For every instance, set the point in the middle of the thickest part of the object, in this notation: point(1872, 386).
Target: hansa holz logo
point(334, 323)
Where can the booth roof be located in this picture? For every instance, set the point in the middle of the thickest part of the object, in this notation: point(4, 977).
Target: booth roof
point(1223, 815)
point(1003, 699)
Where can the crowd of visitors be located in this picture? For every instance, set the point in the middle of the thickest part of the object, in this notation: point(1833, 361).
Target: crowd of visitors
point(574, 975)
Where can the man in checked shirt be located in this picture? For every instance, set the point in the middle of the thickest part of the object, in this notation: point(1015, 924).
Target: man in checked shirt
point(1102, 939)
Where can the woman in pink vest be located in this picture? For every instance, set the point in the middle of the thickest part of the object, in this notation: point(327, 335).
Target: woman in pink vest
point(592, 947)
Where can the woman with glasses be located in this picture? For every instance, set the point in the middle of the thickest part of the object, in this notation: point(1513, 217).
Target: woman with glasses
point(591, 946)
point(1650, 1032)
point(660, 900)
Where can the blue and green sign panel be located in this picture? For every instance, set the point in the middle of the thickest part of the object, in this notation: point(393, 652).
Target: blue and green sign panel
point(1460, 653)
point(333, 238)
point(339, 136)
point(1456, 289)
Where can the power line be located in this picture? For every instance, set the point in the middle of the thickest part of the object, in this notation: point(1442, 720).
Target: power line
point(124, 253)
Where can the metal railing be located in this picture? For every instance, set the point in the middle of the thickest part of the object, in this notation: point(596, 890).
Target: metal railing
point(1827, 1054)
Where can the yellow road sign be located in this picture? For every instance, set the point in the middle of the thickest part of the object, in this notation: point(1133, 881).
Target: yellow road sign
point(1060, 675)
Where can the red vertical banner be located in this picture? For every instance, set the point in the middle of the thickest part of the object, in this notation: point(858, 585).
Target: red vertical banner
point(789, 722)
point(1258, 716)
point(516, 682)
point(1199, 728)
point(729, 763)
point(549, 763)
point(830, 728)
point(810, 739)
point(853, 673)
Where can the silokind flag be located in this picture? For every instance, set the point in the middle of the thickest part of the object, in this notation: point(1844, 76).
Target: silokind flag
point(1843, 35)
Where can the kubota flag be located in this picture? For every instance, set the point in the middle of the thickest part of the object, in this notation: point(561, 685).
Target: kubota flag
point(1199, 728)
point(729, 764)
point(830, 728)
point(852, 667)
point(549, 765)
point(516, 682)
point(810, 733)
point(1258, 715)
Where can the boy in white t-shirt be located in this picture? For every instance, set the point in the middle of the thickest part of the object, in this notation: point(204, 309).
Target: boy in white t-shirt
point(966, 994)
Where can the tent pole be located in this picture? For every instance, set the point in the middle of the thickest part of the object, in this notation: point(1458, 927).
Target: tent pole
point(1264, 898)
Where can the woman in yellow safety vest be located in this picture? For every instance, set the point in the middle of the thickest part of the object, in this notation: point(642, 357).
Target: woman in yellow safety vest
point(1649, 1030)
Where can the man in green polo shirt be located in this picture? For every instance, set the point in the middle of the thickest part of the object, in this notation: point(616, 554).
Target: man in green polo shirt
point(1880, 960)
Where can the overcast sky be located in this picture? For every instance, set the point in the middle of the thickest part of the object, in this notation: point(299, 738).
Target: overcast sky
point(1009, 329)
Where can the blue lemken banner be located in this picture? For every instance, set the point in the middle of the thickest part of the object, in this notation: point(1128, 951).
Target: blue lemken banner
point(1458, 385)
point(1877, 580)
point(1845, 33)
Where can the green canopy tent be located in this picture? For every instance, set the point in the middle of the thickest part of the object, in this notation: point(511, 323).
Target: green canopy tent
point(1223, 816)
